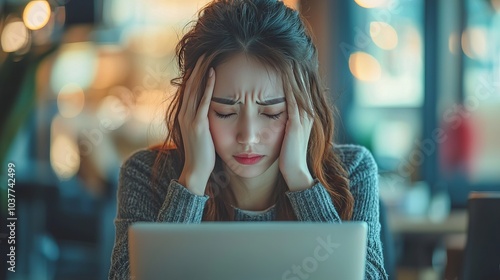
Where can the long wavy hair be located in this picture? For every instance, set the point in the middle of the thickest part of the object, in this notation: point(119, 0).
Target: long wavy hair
point(277, 36)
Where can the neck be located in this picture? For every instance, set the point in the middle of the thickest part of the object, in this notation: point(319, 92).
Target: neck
point(254, 194)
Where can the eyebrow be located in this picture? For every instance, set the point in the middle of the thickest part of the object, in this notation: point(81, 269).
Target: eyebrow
point(233, 102)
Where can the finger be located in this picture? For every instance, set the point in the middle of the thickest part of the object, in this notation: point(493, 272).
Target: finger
point(187, 97)
point(299, 84)
point(302, 86)
point(293, 112)
point(192, 90)
point(187, 75)
point(306, 112)
point(307, 93)
point(207, 95)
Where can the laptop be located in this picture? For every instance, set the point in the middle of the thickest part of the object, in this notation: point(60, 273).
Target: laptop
point(247, 250)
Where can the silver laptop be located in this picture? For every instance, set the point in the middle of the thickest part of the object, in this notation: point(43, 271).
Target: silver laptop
point(247, 250)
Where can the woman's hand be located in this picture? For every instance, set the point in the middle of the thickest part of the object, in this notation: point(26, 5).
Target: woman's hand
point(199, 147)
point(293, 155)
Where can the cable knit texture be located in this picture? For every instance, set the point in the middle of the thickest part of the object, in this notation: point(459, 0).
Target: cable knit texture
point(138, 200)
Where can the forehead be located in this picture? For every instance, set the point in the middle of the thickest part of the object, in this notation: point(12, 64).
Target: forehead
point(244, 74)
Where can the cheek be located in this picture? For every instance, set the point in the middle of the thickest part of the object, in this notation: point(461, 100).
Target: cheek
point(221, 133)
point(274, 133)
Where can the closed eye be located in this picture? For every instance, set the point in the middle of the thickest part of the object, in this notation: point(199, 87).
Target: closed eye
point(223, 116)
point(274, 117)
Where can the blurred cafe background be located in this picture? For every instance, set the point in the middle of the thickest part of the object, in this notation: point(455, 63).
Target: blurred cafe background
point(84, 83)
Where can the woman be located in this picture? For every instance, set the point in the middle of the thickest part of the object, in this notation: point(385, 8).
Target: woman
point(250, 136)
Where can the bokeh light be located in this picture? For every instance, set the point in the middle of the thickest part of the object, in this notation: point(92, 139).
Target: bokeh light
point(36, 14)
point(365, 67)
point(383, 35)
point(112, 67)
point(75, 64)
point(370, 3)
point(15, 36)
point(64, 153)
point(475, 42)
point(294, 4)
point(150, 106)
point(70, 100)
point(112, 112)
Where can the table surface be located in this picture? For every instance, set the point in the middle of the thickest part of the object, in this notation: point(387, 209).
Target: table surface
point(456, 222)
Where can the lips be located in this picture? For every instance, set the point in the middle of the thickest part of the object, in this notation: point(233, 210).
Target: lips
point(248, 159)
point(249, 155)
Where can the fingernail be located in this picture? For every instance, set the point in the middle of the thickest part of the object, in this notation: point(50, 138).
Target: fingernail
point(211, 72)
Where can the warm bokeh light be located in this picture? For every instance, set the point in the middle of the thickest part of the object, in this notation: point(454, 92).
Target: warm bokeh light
point(112, 112)
point(64, 152)
point(150, 106)
point(14, 36)
point(294, 4)
point(155, 41)
point(36, 14)
point(76, 63)
point(365, 67)
point(413, 42)
point(70, 100)
point(370, 3)
point(474, 42)
point(149, 111)
point(383, 35)
point(112, 67)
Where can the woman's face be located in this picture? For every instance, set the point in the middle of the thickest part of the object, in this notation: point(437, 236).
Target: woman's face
point(247, 114)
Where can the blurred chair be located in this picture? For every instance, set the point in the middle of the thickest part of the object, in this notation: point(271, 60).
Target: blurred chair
point(482, 251)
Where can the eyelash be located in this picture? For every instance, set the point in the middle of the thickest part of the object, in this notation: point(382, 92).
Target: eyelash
point(274, 117)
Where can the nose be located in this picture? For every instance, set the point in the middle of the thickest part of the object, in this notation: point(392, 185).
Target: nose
point(248, 131)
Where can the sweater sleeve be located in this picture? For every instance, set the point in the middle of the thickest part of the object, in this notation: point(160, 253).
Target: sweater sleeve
point(364, 188)
point(315, 204)
point(138, 201)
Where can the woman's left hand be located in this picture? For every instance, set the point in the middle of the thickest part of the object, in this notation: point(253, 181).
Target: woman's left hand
point(293, 155)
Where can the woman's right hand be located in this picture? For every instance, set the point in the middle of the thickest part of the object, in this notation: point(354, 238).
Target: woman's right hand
point(199, 147)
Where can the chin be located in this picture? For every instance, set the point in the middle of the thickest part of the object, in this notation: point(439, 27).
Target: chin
point(249, 173)
point(246, 171)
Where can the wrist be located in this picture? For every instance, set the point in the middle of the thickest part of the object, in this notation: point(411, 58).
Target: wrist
point(193, 183)
point(300, 181)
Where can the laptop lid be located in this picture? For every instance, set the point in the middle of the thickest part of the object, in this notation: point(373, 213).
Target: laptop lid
point(247, 250)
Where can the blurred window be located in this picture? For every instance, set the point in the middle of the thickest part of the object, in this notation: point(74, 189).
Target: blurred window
point(387, 66)
point(481, 83)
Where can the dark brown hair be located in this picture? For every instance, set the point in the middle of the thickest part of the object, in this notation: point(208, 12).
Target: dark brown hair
point(277, 36)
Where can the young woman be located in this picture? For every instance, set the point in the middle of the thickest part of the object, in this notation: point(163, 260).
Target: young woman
point(250, 136)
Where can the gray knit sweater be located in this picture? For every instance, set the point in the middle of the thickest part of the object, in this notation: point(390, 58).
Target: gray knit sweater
point(172, 202)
